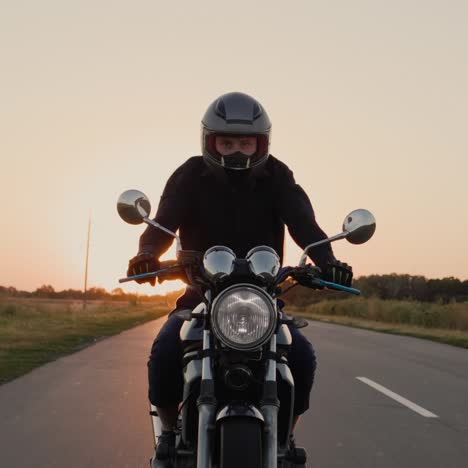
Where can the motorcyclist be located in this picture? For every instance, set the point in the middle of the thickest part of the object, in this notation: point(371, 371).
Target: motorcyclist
point(238, 195)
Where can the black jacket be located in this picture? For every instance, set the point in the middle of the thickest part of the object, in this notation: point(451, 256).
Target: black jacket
point(245, 212)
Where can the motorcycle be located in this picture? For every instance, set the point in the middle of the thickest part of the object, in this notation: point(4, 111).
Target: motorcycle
point(237, 408)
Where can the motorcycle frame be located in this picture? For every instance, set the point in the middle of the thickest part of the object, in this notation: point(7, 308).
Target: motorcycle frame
point(207, 403)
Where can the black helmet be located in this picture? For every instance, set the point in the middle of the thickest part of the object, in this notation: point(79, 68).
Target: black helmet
point(235, 115)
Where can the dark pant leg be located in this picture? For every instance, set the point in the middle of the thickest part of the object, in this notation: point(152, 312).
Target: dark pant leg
point(302, 362)
point(165, 378)
point(165, 365)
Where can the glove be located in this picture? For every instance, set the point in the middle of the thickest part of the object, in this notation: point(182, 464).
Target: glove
point(306, 276)
point(143, 263)
point(338, 272)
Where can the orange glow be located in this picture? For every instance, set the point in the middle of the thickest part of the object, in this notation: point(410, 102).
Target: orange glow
point(366, 118)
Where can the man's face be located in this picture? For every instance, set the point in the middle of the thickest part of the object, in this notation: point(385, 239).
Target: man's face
point(226, 145)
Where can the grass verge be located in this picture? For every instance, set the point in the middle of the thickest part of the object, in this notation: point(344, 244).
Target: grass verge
point(33, 332)
point(396, 317)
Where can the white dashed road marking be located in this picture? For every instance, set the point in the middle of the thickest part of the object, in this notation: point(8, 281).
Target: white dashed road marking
point(409, 404)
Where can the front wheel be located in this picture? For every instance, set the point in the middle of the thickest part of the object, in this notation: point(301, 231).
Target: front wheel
point(240, 443)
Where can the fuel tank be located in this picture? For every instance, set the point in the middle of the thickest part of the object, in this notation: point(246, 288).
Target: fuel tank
point(193, 330)
point(283, 338)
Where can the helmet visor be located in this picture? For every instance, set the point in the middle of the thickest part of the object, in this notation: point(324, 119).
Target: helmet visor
point(237, 151)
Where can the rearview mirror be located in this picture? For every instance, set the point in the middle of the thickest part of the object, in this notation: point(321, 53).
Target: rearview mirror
point(133, 206)
point(359, 226)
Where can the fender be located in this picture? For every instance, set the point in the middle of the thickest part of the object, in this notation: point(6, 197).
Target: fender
point(236, 410)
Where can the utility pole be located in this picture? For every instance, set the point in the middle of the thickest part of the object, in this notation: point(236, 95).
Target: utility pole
point(86, 264)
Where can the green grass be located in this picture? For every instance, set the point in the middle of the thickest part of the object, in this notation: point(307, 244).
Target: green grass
point(33, 332)
point(445, 323)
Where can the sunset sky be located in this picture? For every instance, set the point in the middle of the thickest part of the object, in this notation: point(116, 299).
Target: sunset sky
point(368, 99)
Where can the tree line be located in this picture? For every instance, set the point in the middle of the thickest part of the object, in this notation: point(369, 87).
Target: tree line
point(393, 286)
point(47, 291)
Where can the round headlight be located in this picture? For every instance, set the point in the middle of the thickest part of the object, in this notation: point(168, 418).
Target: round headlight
point(243, 317)
point(218, 262)
point(264, 262)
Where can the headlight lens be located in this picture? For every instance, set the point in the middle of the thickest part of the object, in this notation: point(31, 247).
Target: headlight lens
point(243, 317)
point(264, 262)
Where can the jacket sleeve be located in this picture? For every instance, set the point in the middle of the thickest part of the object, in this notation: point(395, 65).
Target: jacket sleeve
point(297, 213)
point(170, 213)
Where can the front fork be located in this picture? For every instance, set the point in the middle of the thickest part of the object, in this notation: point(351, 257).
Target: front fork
point(206, 407)
point(269, 406)
point(207, 404)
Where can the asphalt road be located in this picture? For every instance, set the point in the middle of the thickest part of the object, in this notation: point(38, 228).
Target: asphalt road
point(90, 409)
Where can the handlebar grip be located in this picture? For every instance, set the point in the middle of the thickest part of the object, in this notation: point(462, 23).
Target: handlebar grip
point(174, 271)
point(340, 287)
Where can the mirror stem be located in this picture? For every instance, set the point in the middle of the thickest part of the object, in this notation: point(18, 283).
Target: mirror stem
point(303, 260)
point(157, 225)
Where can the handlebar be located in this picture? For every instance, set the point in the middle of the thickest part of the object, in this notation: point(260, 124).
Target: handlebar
point(339, 287)
point(170, 270)
point(175, 269)
point(313, 273)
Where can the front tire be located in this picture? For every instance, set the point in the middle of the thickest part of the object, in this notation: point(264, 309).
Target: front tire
point(240, 443)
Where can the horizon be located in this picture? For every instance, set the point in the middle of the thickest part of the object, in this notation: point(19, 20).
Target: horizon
point(162, 293)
